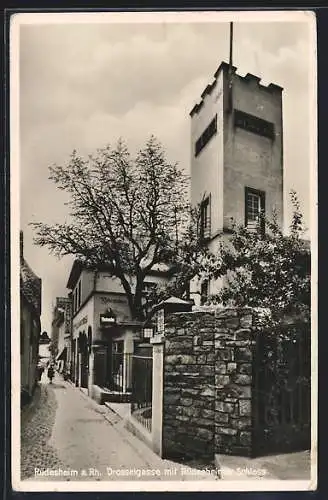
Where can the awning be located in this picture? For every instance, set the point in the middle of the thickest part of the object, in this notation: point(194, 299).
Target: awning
point(62, 354)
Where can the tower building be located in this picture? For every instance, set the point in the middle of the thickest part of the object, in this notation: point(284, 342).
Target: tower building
point(236, 156)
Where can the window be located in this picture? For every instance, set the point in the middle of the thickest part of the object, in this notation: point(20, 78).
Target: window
point(204, 292)
point(77, 297)
point(205, 219)
point(206, 136)
point(254, 208)
point(253, 124)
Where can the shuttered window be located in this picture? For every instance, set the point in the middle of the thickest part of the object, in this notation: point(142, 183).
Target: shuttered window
point(254, 124)
point(205, 218)
point(206, 136)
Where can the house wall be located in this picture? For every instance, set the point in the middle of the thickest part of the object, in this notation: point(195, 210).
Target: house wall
point(250, 159)
point(30, 331)
point(107, 283)
point(117, 302)
point(207, 167)
point(235, 158)
point(83, 319)
point(61, 336)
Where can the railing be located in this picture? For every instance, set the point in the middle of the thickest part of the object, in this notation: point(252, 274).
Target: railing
point(121, 373)
point(141, 407)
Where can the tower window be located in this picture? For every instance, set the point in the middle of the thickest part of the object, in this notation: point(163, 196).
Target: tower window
point(205, 219)
point(254, 208)
point(253, 124)
point(206, 136)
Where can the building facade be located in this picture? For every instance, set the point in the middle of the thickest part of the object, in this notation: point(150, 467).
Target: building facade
point(103, 331)
point(30, 326)
point(62, 333)
point(44, 353)
point(236, 158)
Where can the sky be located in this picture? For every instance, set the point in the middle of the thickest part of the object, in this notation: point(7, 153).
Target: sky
point(82, 86)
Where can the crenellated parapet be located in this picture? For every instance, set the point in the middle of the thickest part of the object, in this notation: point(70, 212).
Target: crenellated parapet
point(248, 78)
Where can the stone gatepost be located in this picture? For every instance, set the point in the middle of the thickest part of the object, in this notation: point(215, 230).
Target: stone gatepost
point(157, 395)
point(233, 381)
point(159, 314)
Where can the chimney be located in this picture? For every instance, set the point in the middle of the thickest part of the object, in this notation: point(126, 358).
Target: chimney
point(21, 244)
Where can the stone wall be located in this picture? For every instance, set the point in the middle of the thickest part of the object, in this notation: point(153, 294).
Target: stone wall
point(207, 383)
point(233, 382)
point(222, 371)
point(189, 392)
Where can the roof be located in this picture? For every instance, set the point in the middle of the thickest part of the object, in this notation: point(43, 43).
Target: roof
point(76, 270)
point(30, 286)
point(170, 301)
point(160, 269)
point(174, 300)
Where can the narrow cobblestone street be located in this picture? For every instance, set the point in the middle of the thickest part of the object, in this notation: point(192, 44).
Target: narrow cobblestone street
point(37, 422)
point(64, 430)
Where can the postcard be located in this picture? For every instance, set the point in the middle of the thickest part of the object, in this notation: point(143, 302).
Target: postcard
point(163, 174)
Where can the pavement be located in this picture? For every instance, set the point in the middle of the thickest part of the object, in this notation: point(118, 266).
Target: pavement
point(66, 436)
point(290, 466)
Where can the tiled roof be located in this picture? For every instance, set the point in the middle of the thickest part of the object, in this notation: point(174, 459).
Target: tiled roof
point(30, 285)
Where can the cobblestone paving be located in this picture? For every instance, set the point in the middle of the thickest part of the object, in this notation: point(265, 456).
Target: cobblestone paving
point(37, 422)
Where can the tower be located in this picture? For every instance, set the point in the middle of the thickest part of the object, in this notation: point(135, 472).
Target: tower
point(236, 153)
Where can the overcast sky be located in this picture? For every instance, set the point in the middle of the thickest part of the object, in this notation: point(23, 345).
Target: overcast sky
point(83, 85)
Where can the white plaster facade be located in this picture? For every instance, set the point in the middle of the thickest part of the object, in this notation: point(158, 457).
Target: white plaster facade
point(235, 158)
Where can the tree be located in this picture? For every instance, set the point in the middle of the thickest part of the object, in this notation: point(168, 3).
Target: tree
point(128, 214)
point(270, 271)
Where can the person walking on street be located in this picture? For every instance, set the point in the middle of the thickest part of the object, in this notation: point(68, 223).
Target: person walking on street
point(51, 373)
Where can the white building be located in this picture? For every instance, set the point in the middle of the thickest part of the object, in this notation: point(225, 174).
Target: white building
point(103, 331)
point(236, 157)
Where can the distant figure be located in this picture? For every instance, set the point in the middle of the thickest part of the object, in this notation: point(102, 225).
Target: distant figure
point(51, 373)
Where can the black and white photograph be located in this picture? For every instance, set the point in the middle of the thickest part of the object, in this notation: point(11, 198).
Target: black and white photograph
point(163, 171)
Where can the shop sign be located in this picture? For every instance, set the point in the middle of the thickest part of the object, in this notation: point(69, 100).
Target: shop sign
point(108, 318)
point(113, 300)
point(68, 317)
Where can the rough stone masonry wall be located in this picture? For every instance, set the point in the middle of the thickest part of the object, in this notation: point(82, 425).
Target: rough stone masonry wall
point(189, 392)
point(233, 382)
point(207, 383)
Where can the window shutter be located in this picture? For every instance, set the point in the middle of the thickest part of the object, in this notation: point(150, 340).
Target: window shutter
point(262, 221)
point(208, 222)
point(205, 218)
